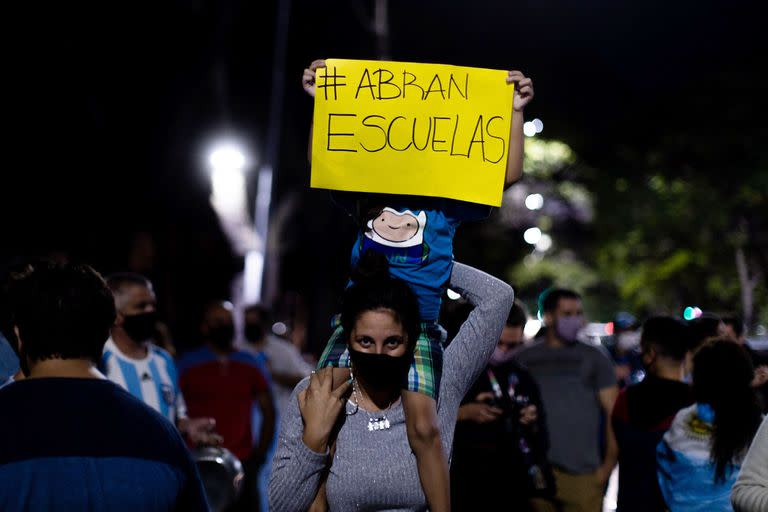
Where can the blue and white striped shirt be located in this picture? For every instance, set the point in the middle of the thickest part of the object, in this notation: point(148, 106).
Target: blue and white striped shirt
point(153, 379)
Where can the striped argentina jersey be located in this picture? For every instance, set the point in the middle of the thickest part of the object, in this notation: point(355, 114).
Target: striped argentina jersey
point(153, 379)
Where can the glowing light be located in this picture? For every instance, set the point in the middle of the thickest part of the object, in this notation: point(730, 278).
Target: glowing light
point(228, 188)
point(253, 275)
point(452, 294)
point(529, 129)
point(692, 312)
point(534, 202)
point(279, 328)
point(227, 156)
point(532, 235)
point(531, 328)
point(538, 124)
point(545, 243)
point(227, 162)
point(609, 328)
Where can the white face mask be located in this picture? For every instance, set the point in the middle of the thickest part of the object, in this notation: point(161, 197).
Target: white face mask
point(628, 340)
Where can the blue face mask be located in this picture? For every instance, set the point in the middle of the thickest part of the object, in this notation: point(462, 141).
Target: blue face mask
point(568, 327)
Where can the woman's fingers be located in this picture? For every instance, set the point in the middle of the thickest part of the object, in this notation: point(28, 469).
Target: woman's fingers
point(342, 390)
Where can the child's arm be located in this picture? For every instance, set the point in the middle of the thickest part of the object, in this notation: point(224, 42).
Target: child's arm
point(308, 83)
point(523, 96)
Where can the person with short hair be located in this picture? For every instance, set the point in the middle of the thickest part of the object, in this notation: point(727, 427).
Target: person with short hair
point(624, 349)
point(644, 412)
point(286, 365)
point(501, 438)
point(224, 383)
point(578, 389)
point(77, 441)
point(145, 370)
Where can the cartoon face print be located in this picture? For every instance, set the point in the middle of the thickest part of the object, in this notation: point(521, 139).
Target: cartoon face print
point(395, 227)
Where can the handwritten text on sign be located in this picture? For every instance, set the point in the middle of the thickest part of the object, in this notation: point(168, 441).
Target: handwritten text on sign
point(406, 128)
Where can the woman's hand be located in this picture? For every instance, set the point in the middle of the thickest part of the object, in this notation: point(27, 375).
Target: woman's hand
point(308, 80)
point(523, 89)
point(320, 407)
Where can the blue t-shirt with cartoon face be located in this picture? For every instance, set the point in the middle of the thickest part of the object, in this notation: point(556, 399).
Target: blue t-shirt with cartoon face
point(416, 236)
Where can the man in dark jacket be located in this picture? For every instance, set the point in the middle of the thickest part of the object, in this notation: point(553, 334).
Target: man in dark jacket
point(501, 442)
point(644, 411)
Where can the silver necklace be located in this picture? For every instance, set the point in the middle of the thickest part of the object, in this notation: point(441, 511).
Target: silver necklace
point(376, 422)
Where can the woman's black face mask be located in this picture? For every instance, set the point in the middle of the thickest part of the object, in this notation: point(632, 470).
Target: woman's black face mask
point(380, 371)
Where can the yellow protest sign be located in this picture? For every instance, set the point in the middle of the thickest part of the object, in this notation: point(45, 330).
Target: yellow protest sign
point(408, 128)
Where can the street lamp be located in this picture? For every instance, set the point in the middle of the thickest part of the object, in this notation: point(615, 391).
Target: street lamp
point(228, 162)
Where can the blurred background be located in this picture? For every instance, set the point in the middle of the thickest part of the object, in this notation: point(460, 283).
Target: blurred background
point(645, 187)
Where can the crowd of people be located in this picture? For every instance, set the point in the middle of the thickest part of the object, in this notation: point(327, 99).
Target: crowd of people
point(416, 402)
point(538, 425)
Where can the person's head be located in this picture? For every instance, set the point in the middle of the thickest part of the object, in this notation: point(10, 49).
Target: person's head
point(664, 343)
point(218, 326)
point(62, 311)
point(563, 314)
point(733, 327)
point(258, 319)
point(380, 318)
point(708, 325)
point(722, 378)
point(136, 305)
point(626, 332)
point(454, 311)
point(512, 335)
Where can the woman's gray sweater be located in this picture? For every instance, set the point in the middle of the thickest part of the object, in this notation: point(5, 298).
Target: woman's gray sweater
point(750, 493)
point(377, 470)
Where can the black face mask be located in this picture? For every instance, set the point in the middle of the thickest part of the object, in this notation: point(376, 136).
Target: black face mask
point(140, 327)
point(221, 336)
point(254, 332)
point(380, 371)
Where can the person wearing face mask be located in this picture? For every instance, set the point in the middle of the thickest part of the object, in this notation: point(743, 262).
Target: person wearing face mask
point(226, 384)
point(625, 349)
point(371, 466)
point(145, 370)
point(286, 366)
point(644, 412)
point(501, 438)
point(578, 389)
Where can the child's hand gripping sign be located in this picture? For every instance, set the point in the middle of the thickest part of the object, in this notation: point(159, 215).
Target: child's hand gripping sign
point(415, 129)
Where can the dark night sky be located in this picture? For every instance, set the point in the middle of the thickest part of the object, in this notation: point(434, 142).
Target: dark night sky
point(112, 105)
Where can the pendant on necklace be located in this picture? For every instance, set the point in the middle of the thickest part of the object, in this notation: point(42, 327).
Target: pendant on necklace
point(378, 423)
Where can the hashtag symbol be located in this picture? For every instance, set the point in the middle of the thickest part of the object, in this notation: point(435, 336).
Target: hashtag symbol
point(334, 82)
